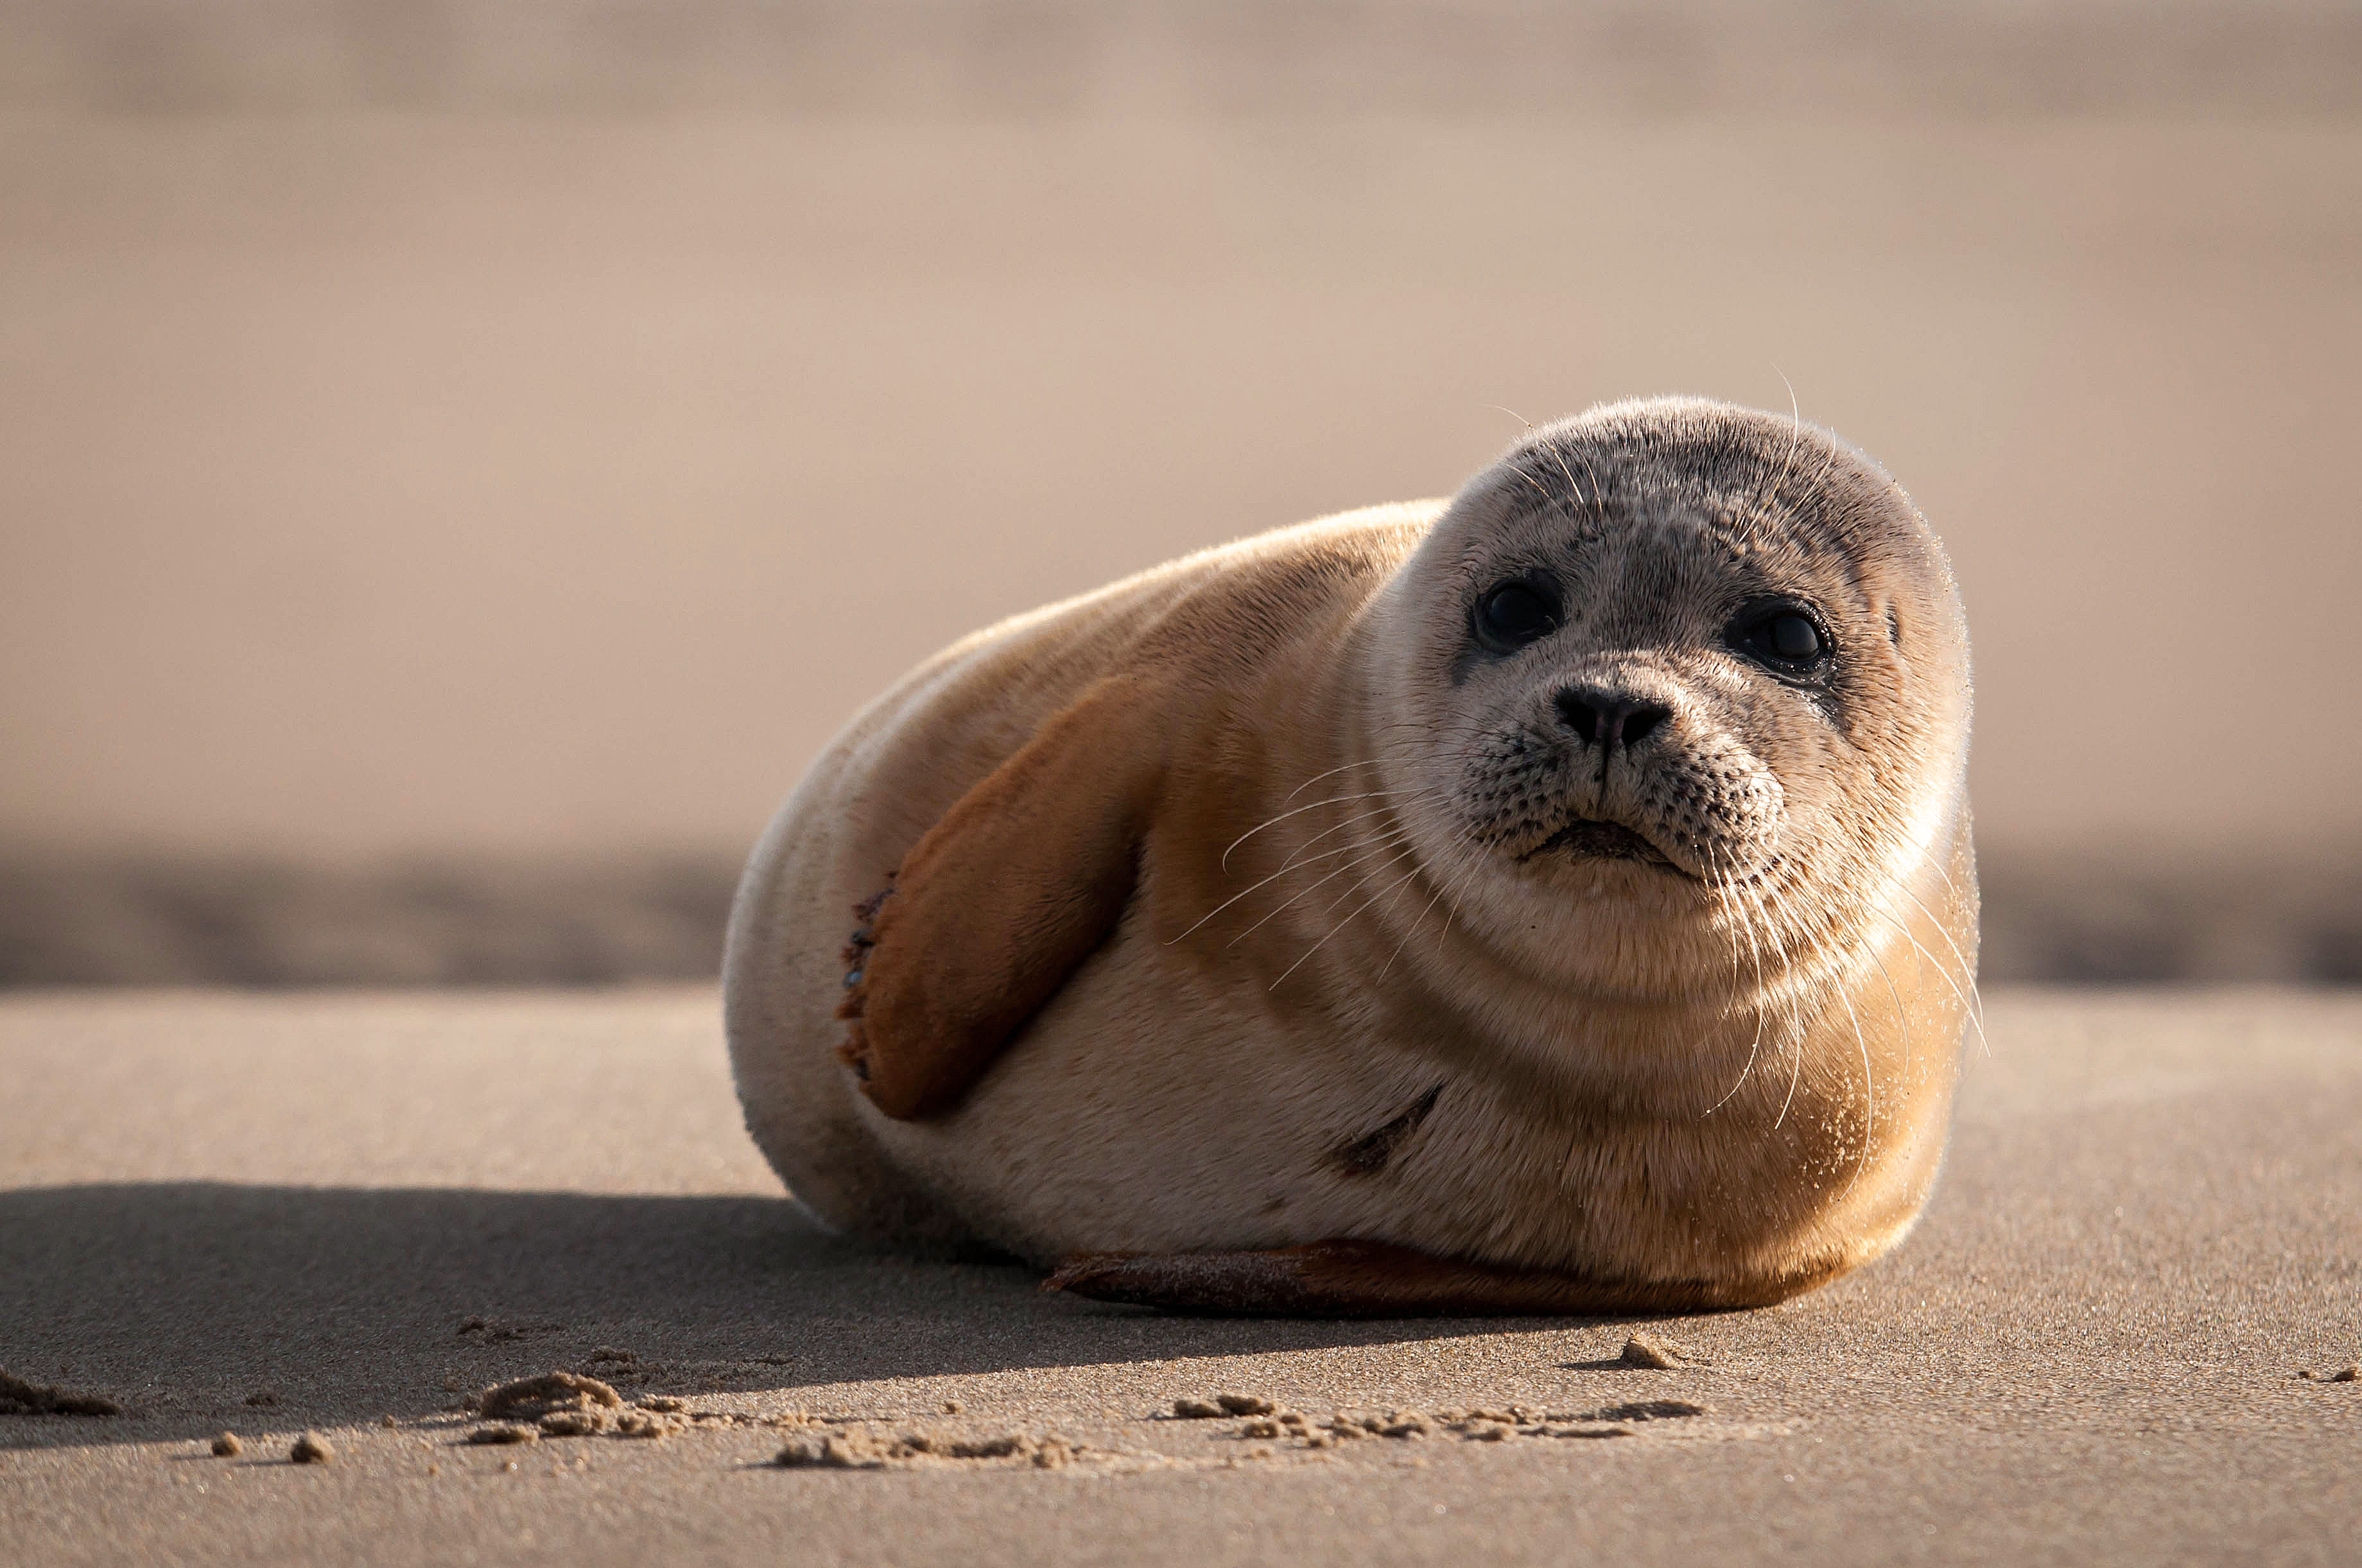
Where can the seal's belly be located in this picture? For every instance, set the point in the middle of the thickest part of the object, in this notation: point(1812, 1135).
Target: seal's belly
point(1150, 1107)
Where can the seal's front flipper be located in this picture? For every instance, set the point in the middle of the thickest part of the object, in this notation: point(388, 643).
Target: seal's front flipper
point(1367, 1280)
point(1001, 901)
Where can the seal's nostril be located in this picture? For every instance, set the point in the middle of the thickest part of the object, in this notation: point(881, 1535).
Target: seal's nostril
point(1639, 719)
point(1599, 715)
point(1574, 707)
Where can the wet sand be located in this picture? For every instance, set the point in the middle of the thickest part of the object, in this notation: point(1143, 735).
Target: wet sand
point(274, 1214)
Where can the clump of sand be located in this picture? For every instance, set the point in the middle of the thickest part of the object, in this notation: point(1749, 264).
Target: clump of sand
point(496, 1433)
point(1267, 1421)
point(19, 1397)
point(1646, 1410)
point(1658, 1355)
point(311, 1449)
point(501, 1330)
point(1483, 1424)
point(577, 1405)
point(226, 1446)
point(546, 1394)
point(635, 1421)
point(861, 1451)
point(1194, 1409)
point(569, 1404)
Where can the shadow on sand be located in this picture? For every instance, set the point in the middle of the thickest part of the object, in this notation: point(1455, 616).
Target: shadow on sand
point(199, 1305)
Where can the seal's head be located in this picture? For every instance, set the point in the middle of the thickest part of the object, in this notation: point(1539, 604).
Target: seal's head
point(1677, 680)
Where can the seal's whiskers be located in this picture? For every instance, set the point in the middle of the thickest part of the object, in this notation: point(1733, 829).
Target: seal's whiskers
point(1381, 809)
point(1327, 773)
point(1976, 1000)
point(1341, 925)
point(1742, 929)
point(1332, 800)
point(1291, 865)
point(1792, 1021)
point(1392, 844)
point(1442, 888)
point(1869, 1097)
point(1902, 1015)
point(1841, 983)
point(1970, 999)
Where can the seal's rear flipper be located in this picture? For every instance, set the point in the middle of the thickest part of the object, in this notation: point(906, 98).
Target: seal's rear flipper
point(1374, 1279)
point(998, 904)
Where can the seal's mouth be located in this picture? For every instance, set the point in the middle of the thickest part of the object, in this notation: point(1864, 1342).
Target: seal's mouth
point(1587, 840)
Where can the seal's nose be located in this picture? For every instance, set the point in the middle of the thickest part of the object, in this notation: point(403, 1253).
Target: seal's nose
point(1610, 718)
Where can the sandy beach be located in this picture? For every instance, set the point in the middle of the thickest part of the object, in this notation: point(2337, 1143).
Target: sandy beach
point(463, 461)
point(340, 1212)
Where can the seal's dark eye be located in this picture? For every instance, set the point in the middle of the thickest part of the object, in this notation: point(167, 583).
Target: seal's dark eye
point(1785, 639)
point(1794, 637)
point(1515, 613)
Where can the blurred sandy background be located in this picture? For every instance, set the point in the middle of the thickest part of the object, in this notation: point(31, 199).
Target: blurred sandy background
point(459, 460)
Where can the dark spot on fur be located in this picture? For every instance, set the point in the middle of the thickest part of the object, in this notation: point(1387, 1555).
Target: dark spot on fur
point(1369, 1154)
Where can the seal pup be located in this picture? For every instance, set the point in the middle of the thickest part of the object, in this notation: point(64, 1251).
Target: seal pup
point(1556, 900)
